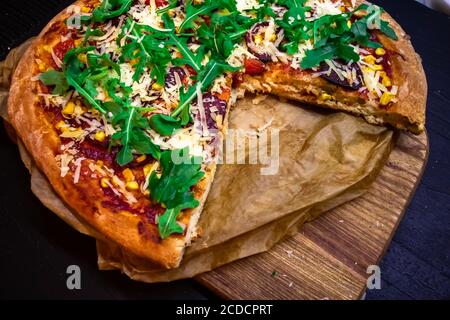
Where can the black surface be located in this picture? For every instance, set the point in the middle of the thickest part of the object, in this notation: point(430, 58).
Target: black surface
point(36, 247)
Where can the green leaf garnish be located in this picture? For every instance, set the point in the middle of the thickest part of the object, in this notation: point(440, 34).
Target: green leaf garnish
point(173, 188)
point(57, 79)
point(132, 136)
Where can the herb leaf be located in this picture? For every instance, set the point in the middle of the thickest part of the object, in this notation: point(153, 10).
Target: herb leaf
point(57, 79)
point(132, 136)
point(108, 9)
point(172, 189)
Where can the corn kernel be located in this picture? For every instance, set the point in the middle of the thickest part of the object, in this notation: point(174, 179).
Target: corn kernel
point(370, 59)
point(42, 67)
point(386, 82)
point(171, 13)
point(128, 175)
point(100, 136)
point(273, 37)
point(68, 109)
point(47, 48)
point(134, 61)
point(386, 98)
point(377, 67)
point(77, 42)
point(325, 96)
point(258, 39)
point(99, 163)
point(156, 86)
point(349, 24)
point(366, 69)
point(82, 57)
point(141, 158)
point(132, 185)
point(61, 125)
point(380, 52)
point(104, 182)
point(85, 9)
point(147, 168)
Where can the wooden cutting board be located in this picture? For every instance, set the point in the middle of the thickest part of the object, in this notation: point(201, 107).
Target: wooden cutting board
point(328, 258)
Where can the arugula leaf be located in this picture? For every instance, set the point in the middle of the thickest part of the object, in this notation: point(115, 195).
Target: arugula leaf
point(189, 58)
point(204, 79)
point(387, 30)
point(91, 32)
point(163, 124)
point(316, 56)
point(131, 136)
point(57, 79)
point(148, 48)
point(107, 10)
point(76, 76)
point(172, 4)
point(193, 12)
point(172, 189)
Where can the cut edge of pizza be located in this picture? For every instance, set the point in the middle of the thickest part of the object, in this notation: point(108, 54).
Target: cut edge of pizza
point(101, 123)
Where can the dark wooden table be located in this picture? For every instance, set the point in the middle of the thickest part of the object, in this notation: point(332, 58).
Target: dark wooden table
point(36, 247)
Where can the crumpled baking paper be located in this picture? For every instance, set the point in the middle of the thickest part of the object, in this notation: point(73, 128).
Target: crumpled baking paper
point(325, 159)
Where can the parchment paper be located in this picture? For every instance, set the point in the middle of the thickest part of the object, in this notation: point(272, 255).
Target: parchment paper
point(326, 159)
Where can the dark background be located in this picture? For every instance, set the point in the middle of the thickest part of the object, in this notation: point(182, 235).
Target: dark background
point(36, 246)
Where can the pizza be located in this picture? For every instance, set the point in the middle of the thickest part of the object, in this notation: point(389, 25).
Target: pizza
point(123, 104)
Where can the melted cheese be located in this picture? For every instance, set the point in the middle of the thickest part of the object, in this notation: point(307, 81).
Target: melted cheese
point(244, 5)
point(324, 7)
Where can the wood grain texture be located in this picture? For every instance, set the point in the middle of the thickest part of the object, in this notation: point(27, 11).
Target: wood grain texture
point(329, 257)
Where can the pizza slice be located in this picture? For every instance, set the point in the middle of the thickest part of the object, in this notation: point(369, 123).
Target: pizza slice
point(358, 60)
point(123, 104)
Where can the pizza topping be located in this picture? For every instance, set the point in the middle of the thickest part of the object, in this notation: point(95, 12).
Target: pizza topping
point(175, 76)
point(172, 189)
point(346, 75)
point(254, 67)
point(144, 80)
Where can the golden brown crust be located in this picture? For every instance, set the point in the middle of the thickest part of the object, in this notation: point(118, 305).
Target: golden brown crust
point(40, 138)
point(407, 72)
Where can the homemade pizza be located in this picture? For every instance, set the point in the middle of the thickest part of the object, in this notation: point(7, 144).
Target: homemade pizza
point(123, 104)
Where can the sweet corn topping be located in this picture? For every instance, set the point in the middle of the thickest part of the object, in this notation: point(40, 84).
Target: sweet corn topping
point(132, 185)
point(386, 82)
point(128, 175)
point(99, 163)
point(377, 67)
point(386, 98)
point(258, 39)
point(82, 57)
point(325, 96)
point(42, 67)
point(380, 52)
point(69, 109)
point(147, 168)
point(85, 9)
point(370, 59)
point(104, 182)
point(156, 86)
point(77, 42)
point(100, 136)
point(141, 158)
point(273, 37)
point(61, 125)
